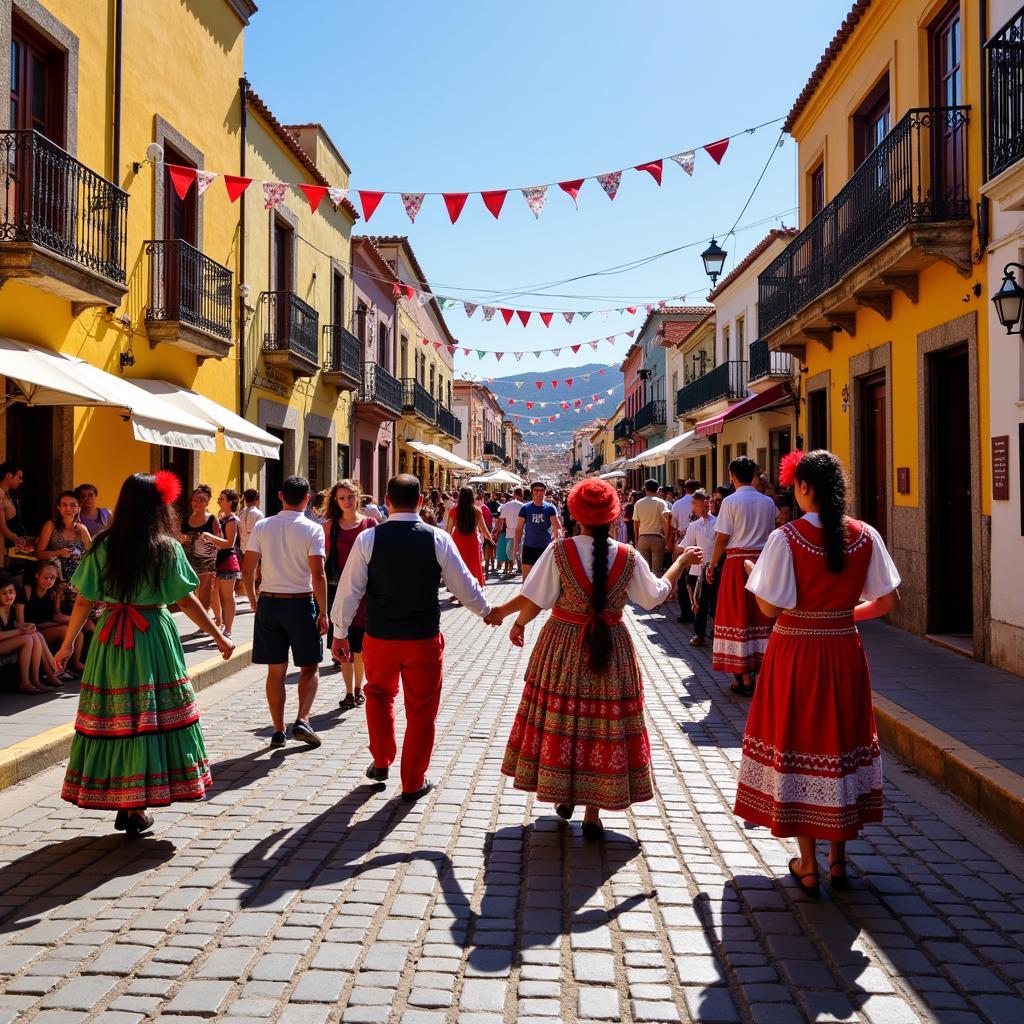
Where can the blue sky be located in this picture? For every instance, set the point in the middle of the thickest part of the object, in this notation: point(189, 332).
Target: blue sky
point(460, 96)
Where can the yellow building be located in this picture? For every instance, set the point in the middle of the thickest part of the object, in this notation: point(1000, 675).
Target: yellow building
point(304, 357)
point(102, 262)
point(883, 296)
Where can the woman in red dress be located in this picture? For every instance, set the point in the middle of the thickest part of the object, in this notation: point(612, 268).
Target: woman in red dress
point(466, 525)
point(811, 765)
point(579, 735)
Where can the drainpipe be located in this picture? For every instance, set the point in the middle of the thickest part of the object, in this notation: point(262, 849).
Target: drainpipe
point(983, 205)
point(243, 92)
point(118, 50)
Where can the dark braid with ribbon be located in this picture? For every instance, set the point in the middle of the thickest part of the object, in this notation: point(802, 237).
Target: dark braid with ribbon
point(598, 634)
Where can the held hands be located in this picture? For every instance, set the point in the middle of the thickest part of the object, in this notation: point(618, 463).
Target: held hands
point(495, 616)
point(341, 651)
point(691, 555)
point(225, 645)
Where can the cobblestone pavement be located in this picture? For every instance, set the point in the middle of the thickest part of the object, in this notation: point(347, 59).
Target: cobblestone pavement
point(300, 893)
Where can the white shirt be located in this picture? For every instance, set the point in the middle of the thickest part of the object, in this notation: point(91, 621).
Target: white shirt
point(774, 580)
point(543, 585)
point(285, 544)
point(354, 579)
point(648, 515)
point(371, 510)
point(747, 517)
point(509, 512)
point(247, 520)
point(700, 534)
point(681, 512)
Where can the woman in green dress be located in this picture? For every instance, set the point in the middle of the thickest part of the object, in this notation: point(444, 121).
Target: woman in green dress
point(137, 740)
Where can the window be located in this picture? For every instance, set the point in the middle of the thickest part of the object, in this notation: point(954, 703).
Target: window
point(344, 461)
point(816, 185)
point(382, 344)
point(362, 324)
point(740, 354)
point(762, 460)
point(405, 357)
point(817, 419)
point(37, 83)
point(432, 373)
point(741, 450)
point(316, 463)
point(726, 347)
point(337, 297)
point(871, 122)
point(726, 459)
point(675, 382)
point(180, 215)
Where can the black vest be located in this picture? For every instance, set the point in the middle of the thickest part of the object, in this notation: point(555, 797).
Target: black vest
point(404, 577)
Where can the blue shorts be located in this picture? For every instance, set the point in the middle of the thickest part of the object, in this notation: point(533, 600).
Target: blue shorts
point(283, 624)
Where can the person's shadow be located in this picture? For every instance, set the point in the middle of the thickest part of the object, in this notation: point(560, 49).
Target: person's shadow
point(77, 867)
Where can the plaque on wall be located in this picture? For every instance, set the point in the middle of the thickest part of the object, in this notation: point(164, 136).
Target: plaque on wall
point(903, 480)
point(1001, 468)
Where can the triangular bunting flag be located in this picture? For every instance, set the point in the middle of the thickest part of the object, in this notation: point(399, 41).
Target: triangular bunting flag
point(519, 356)
point(568, 382)
point(424, 341)
point(410, 292)
point(235, 185)
point(546, 317)
point(557, 351)
point(539, 384)
point(453, 349)
point(586, 376)
point(538, 354)
point(423, 298)
point(273, 194)
point(524, 316)
point(481, 353)
point(438, 344)
point(494, 200)
point(575, 348)
point(610, 183)
point(535, 197)
point(716, 150)
point(507, 314)
point(629, 334)
point(577, 403)
point(653, 168)
point(685, 160)
point(498, 355)
point(181, 178)
point(554, 384)
point(455, 201)
point(611, 340)
point(337, 195)
point(600, 373)
point(572, 189)
point(412, 201)
point(511, 401)
point(370, 201)
point(593, 345)
point(204, 179)
point(518, 383)
point(469, 307)
point(631, 309)
point(313, 193)
point(489, 312)
point(585, 314)
point(568, 317)
point(529, 405)
point(466, 351)
point(396, 291)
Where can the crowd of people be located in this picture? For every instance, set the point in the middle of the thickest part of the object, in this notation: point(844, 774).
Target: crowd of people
point(784, 576)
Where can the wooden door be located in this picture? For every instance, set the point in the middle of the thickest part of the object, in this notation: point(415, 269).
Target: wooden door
point(282, 282)
point(950, 554)
point(873, 486)
point(817, 419)
point(179, 462)
point(382, 472)
point(181, 224)
point(37, 84)
point(947, 91)
point(31, 443)
point(366, 466)
point(274, 477)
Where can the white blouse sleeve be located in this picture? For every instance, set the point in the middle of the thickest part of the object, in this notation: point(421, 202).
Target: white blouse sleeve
point(883, 577)
point(644, 587)
point(773, 579)
point(543, 586)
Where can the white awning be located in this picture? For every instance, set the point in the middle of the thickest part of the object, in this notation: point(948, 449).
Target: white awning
point(689, 443)
point(239, 434)
point(445, 457)
point(52, 378)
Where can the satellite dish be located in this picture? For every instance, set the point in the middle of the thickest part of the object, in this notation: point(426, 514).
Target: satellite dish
point(155, 153)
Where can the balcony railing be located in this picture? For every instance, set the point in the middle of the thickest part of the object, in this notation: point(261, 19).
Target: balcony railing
point(188, 287)
point(53, 200)
point(290, 326)
point(494, 449)
point(416, 398)
point(916, 174)
point(520, 468)
point(1006, 95)
point(343, 352)
point(448, 422)
point(380, 388)
point(651, 415)
point(576, 467)
point(765, 363)
point(726, 381)
point(595, 463)
point(623, 430)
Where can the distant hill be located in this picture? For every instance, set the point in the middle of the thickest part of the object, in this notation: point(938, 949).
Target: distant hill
point(581, 388)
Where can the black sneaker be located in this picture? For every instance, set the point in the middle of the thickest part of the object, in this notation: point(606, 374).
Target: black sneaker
point(377, 774)
point(304, 731)
point(427, 787)
point(278, 739)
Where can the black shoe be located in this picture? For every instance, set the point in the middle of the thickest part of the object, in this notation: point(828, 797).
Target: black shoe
point(427, 786)
point(565, 810)
point(377, 774)
point(137, 824)
point(121, 821)
point(304, 731)
point(278, 739)
point(348, 702)
point(593, 830)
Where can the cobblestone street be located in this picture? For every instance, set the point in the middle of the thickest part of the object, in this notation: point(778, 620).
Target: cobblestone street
point(300, 892)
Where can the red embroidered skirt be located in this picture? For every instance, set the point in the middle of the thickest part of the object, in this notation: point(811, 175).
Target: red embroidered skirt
point(741, 630)
point(811, 764)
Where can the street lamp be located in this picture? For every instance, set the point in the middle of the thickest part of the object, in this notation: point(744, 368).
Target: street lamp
point(1009, 300)
point(714, 259)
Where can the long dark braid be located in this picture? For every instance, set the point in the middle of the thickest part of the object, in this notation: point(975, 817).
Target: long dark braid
point(825, 476)
point(599, 655)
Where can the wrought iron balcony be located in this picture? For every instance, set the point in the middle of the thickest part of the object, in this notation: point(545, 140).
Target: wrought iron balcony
point(765, 364)
point(576, 467)
point(189, 298)
point(343, 358)
point(448, 422)
point(520, 467)
point(290, 333)
point(596, 463)
point(494, 449)
point(63, 227)
point(725, 382)
point(380, 394)
point(623, 430)
point(916, 175)
point(1006, 95)
point(650, 418)
point(416, 398)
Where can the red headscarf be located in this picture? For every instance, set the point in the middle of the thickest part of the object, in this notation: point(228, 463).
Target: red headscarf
point(594, 502)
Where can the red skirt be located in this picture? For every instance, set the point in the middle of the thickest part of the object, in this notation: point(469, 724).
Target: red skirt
point(811, 763)
point(741, 630)
point(469, 547)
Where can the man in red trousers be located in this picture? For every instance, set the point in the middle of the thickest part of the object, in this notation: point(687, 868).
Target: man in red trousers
point(399, 567)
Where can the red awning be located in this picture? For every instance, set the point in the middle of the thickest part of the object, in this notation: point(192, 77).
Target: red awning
point(752, 403)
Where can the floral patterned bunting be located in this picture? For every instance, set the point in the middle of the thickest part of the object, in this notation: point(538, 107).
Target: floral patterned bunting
point(273, 194)
point(412, 201)
point(535, 197)
point(610, 183)
point(685, 160)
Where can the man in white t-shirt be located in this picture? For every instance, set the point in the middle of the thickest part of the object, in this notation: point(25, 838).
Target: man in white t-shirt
point(745, 521)
point(699, 534)
point(508, 513)
point(248, 517)
point(682, 510)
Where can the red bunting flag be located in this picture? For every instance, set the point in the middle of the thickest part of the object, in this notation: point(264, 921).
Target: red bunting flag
point(529, 405)
point(452, 348)
point(716, 150)
point(455, 201)
point(575, 348)
point(568, 382)
point(423, 341)
point(572, 189)
point(540, 384)
point(507, 314)
point(314, 193)
point(565, 405)
point(511, 401)
point(498, 355)
point(551, 419)
point(409, 292)
point(370, 201)
point(465, 351)
point(438, 344)
point(554, 384)
point(653, 169)
point(631, 309)
point(182, 178)
point(546, 317)
point(524, 316)
point(601, 372)
point(577, 403)
point(235, 185)
point(494, 200)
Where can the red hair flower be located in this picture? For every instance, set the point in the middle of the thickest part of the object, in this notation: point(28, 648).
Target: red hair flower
point(168, 486)
point(787, 468)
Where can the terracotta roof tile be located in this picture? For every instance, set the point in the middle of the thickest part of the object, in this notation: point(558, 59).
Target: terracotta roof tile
point(366, 243)
point(700, 312)
point(773, 236)
point(828, 58)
